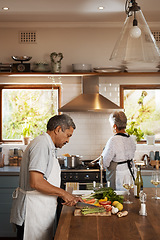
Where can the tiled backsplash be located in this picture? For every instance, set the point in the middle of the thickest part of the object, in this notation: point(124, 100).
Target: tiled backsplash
point(92, 129)
point(89, 138)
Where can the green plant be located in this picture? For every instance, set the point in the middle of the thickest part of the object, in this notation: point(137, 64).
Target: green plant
point(134, 130)
point(149, 133)
point(27, 131)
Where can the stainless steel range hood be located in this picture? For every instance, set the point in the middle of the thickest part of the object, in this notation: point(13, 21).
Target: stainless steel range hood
point(90, 99)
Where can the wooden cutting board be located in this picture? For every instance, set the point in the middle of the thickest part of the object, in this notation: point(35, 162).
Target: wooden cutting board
point(77, 212)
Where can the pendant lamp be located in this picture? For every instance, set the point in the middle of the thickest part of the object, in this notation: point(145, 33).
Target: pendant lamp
point(136, 45)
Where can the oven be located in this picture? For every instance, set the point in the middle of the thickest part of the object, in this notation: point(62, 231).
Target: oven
point(84, 177)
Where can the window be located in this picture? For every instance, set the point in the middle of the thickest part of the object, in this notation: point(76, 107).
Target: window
point(142, 106)
point(26, 108)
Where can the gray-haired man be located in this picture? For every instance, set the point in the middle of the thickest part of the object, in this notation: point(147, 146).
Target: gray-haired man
point(35, 200)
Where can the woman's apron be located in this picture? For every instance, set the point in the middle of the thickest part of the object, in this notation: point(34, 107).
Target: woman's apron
point(41, 208)
point(116, 177)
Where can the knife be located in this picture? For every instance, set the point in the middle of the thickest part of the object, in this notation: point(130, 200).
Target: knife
point(82, 205)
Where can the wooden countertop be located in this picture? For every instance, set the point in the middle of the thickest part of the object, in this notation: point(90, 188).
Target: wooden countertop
point(130, 227)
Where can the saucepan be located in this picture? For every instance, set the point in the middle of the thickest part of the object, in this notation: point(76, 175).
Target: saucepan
point(94, 163)
point(70, 161)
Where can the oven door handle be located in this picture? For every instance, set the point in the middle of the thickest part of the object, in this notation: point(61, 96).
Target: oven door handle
point(81, 183)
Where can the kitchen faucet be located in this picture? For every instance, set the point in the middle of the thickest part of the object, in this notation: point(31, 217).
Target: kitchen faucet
point(100, 158)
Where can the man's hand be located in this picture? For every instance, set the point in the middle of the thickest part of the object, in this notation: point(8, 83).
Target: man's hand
point(71, 200)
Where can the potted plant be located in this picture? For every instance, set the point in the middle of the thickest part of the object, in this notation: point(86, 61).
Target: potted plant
point(26, 134)
point(150, 137)
point(135, 131)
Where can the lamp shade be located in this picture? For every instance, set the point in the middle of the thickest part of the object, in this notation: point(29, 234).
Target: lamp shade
point(136, 44)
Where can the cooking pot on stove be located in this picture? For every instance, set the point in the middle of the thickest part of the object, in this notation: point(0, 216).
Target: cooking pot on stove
point(72, 162)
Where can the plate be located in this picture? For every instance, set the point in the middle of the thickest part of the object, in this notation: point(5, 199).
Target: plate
point(82, 192)
point(109, 70)
point(87, 192)
point(121, 192)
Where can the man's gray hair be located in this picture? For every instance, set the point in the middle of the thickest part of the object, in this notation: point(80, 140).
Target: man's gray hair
point(64, 121)
point(119, 119)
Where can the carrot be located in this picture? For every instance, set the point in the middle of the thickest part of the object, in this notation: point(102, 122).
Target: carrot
point(91, 201)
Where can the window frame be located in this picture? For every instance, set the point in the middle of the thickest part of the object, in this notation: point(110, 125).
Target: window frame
point(138, 87)
point(24, 86)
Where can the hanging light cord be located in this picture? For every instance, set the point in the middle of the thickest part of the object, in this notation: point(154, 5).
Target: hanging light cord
point(131, 6)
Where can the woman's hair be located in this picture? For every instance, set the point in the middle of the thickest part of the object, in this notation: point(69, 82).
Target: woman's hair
point(64, 121)
point(119, 119)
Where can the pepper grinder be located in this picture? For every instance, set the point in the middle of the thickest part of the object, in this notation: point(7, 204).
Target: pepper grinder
point(143, 198)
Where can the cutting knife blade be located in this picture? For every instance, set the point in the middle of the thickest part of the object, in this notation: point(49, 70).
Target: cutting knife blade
point(82, 205)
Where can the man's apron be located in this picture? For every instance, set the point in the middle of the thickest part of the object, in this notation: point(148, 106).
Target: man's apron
point(116, 177)
point(41, 208)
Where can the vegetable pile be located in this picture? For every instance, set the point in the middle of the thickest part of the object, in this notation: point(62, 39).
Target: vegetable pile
point(102, 193)
point(106, 199)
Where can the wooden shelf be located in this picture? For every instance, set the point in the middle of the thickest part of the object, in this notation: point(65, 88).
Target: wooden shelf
point(68, 74)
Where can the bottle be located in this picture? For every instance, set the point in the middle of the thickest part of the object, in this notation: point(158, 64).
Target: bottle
point(138, 184)
point(1, 158)
point(157, 164)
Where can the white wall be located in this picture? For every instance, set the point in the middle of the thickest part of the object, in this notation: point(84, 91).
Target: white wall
point(79, 45)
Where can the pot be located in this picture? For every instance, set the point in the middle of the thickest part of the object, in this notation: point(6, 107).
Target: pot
point(72, 161)
point(89, 164)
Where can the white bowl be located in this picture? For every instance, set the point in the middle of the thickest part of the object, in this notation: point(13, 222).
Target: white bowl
point(81, 67)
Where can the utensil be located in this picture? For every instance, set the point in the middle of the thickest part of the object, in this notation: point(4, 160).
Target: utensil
point(109, 70)
point(21, 58)
point(82, 205)
point(151, 155)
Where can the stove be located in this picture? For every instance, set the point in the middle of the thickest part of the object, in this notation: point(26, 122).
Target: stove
point(82, 174)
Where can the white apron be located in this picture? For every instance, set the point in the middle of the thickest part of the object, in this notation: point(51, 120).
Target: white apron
point(119, 179)
point(41, 208)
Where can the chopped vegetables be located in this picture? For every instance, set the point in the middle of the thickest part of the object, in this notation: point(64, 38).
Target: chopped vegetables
point(104, 202)
point(106, 199)
point(122, 214)
point(109, 193)
point(114, 210)
point(87, 210)
point(108, 208)
point(91, 201)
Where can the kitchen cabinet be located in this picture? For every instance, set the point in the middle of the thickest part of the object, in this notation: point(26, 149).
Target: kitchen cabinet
point(146, 176)
point(7, 186)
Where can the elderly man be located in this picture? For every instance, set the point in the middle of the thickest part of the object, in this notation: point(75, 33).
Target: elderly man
point(35, 200)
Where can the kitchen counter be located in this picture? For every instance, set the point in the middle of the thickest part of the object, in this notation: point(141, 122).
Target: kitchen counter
point(130, 227)
point(9, 171)
point(13, 170)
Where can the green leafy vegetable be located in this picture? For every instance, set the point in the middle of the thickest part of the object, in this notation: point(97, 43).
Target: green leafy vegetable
point(106, 192)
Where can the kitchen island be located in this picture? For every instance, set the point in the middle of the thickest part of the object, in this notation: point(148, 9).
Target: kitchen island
point(133, 226)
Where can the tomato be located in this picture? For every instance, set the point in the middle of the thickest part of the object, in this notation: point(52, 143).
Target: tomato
point(105, 202)
point(108, 208)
